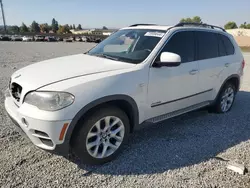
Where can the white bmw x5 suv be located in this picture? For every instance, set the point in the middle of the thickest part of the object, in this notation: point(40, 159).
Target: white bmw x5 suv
point(89, 103)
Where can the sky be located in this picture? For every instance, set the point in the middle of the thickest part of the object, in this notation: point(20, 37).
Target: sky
point(117, 13)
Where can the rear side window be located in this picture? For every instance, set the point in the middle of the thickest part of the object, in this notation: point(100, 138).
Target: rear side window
point(222, 47)
point(207, 45)
point(183, 44)
point(228, 44)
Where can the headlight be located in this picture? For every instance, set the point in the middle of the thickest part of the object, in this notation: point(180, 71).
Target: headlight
point(49, 101)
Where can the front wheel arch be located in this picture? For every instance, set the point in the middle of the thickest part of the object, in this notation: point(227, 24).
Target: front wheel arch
point(126, 103)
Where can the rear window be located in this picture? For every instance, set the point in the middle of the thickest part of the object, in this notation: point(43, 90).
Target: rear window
point(207, 45)
point(228, 44)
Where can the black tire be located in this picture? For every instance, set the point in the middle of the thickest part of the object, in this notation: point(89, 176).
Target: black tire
point(85, 125)
point(217, 108)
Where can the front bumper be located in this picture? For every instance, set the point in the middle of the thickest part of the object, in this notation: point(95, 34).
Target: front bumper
point(42, 133)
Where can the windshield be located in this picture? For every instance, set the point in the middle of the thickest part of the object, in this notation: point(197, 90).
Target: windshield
point(129, 45)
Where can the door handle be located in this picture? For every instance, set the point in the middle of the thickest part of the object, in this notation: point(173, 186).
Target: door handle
point(193, 72)
point(227, 64)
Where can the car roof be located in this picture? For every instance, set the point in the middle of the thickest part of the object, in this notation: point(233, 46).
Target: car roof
point(154, 27)
point(176, 27)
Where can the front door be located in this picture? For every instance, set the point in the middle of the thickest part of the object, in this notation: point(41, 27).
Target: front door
point(174, 88)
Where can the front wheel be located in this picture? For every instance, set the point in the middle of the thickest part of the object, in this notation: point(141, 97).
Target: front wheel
point(226, 99)
point(101, 135)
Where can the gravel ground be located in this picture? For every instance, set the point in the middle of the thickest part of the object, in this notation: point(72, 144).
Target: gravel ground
point(177, 153)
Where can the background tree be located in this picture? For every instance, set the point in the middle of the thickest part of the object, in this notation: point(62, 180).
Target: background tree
point(1, 29)
point(74, 27)
point(63, 29)
point(35, 27)
point(44, 28)
point(54, 25)
point(231, 25)
point(24, 28)
point(70, 27)
point(195, 19)
point(104, 28)
point(60, 29)
point(13, 29)
point(245, 26)
point(186, 20)
point(67, 28)
point(79, 27)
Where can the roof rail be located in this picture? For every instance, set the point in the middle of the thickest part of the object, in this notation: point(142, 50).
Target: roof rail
point(134, 25)
point(181, 24)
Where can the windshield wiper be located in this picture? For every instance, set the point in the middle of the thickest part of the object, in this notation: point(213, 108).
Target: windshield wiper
point(107, 56)
point(122, 59)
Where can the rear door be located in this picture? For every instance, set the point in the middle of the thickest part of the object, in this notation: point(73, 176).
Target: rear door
point(232, 62)
point(211, 66)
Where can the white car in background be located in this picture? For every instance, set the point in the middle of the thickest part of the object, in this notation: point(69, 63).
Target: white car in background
point(27, 38)
point(84, 39)
point(16, 38)
point(90, 103)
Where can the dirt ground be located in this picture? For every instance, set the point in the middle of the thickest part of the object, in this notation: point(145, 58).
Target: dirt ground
point(181, 152)
point(243, 41)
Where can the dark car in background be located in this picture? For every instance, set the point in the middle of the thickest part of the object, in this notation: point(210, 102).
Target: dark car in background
point(5, 38)
point(90, 39)
point(98, 40)
point(50, 39)
point(59, 38)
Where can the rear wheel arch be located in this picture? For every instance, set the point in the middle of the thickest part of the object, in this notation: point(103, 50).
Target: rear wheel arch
point(234, 79)
point(124, 102)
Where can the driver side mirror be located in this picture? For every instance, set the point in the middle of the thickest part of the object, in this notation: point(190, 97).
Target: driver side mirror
point(168, 59)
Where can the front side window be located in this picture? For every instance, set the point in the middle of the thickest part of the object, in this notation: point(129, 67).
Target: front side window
point(129, 45)
point(183, 44)
point(207, 45)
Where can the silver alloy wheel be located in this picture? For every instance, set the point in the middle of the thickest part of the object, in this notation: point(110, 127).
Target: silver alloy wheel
point(105, 137)
point(227, 99)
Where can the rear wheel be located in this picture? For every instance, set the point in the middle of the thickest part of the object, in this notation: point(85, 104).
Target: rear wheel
point(226, 99)
point(101, 136)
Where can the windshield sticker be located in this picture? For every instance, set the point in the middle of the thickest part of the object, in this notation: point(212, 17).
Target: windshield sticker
point(154, 34)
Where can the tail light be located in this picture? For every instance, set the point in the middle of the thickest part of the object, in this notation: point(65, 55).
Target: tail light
point(243, 64)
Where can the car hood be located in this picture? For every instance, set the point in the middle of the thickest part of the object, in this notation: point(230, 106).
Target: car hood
point(54, 70)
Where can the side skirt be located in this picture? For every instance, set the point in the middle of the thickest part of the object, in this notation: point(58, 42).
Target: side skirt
point(177, 113)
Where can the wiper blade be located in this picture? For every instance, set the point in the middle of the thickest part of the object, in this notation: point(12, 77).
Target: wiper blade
point(107, 56)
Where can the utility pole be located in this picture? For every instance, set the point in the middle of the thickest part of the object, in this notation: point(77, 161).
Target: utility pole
point(4, 24)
